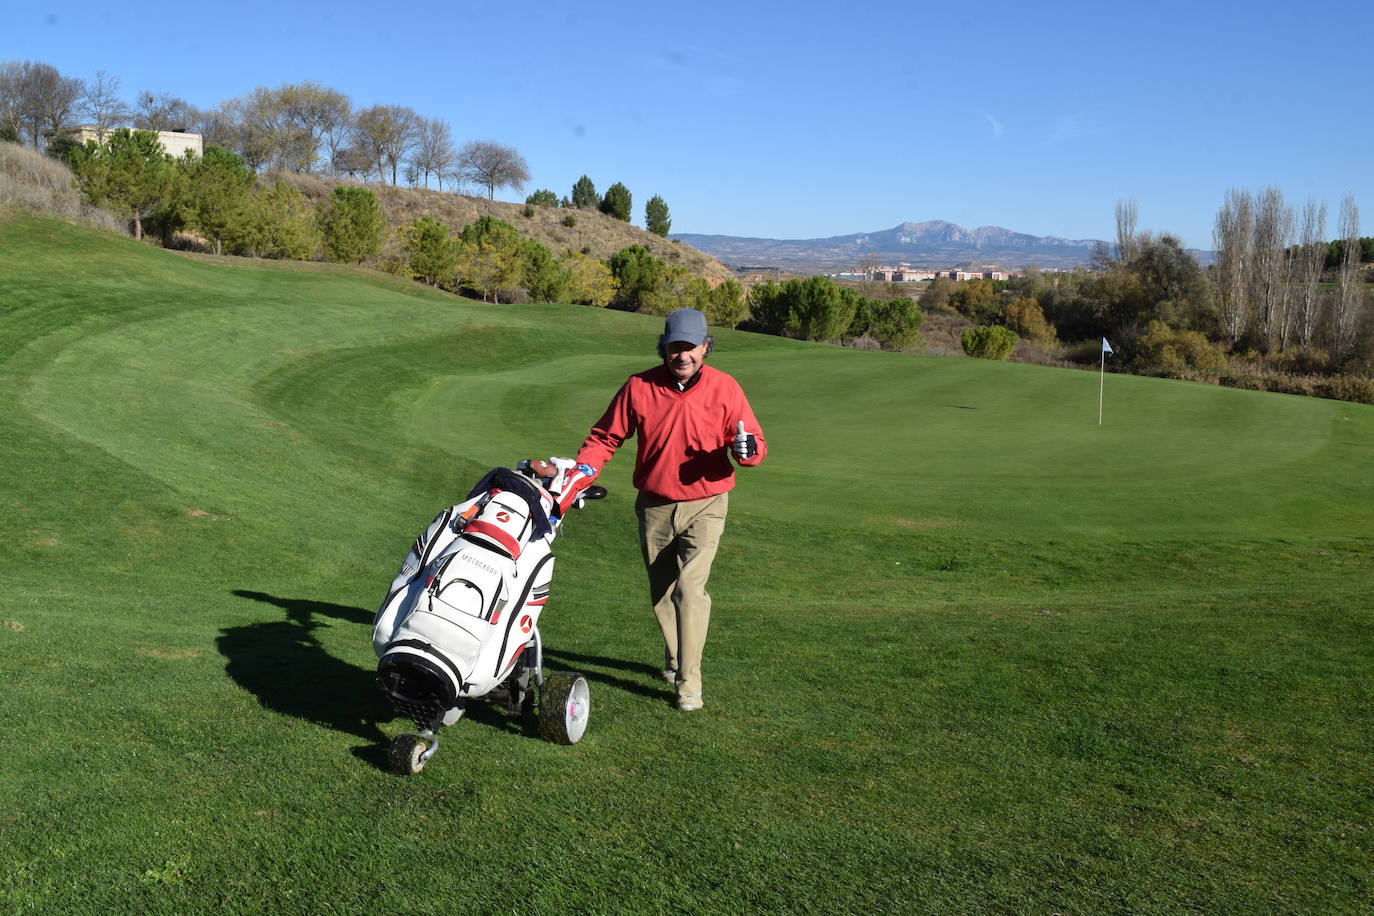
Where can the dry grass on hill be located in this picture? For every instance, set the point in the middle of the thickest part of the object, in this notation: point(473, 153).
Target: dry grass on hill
point(601, 235)
point(31, 181)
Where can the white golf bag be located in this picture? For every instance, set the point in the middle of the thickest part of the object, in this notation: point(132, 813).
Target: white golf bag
point(461, 619)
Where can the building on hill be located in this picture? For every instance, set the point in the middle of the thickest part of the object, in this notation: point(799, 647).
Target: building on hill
point(175, 142)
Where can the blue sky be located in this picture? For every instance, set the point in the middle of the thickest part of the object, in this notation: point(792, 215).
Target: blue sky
point(805, 120)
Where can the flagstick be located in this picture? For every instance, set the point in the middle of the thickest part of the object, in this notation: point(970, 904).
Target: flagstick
point(1101, 380)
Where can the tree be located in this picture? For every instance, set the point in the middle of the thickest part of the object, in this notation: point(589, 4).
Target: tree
point(162, 111)
point(724, 305)
point(584, 196)
point(814, 308)
point(1125, 231)
point(492, 165)
point(308, 116)
point(988, 341)
point(43, 99)
point(543, 277)
point(1350, 291)
point(432, 255)
point(129, 174)
point(219, 193)
point(1270, 278)
point(894, 323)
point(489, 257)
point(352, 225)
point(638, 273)
point(102, 105)
point(617, 202)
point(542, 198)
point(284, 223)
point(590, 282)
point(388, 133)
point(656, 217)
point(1311, 256)
point(1234, 239)
point(434, 151)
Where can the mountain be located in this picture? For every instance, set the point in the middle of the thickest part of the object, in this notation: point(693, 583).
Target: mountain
point(930, 244)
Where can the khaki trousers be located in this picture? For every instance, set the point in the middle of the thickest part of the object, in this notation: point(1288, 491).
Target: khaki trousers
point(679, 541)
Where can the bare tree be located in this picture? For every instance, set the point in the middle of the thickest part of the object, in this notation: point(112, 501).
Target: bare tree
point(102, 105)
point(163, 111)
point(11, 100)
point(1126, 246)
point(389, 133)
point(311, 115)
point(1273, 233)
point(434, 152)
point(1311, 259)
point(46, 100)
point(493, 166)
point(1233, 238)
point(1350, 290)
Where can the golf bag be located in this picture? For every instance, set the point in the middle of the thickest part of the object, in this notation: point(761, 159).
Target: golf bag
point(461, 619)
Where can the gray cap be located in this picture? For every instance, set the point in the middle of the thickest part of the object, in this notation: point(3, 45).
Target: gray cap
point(687, 325)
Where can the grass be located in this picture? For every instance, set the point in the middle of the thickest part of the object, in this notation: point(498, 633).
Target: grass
point(971, 651)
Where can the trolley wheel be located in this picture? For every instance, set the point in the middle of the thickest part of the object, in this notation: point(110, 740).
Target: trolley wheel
point(407, 754)
point(564, 704)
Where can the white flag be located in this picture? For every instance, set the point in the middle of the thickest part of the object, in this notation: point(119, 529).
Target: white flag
point(1106, 347)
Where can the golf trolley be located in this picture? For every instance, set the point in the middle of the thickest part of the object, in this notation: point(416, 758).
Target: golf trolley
point(460, 622)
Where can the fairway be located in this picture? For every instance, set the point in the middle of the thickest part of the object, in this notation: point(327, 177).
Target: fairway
point(971, 651)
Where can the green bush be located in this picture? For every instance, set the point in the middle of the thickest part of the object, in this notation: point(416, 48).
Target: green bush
point(542, 198)
point(352, 225)
point(988, 341)
point(814, 308)
point(569, 220)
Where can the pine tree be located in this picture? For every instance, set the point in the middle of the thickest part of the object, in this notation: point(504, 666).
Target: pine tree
point(584, 196)
point(617, 202)
point(352, 225)
point(656, 218)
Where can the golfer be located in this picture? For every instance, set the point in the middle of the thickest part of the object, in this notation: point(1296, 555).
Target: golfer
point(690, 421)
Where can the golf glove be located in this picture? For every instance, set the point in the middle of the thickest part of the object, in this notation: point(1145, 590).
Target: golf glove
point(743, 445)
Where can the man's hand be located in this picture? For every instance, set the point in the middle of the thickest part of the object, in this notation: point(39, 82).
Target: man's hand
point(743, 445)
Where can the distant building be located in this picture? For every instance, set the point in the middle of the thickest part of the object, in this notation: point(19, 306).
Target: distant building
point(175, 142)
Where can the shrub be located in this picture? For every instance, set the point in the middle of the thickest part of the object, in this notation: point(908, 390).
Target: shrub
point(590, 281)
point(638, 272)
point(1027, 319)
point(528, 211)
point(431, 254)
point(988, 341)
point(569, 220)
point(352, 225)
point(1179, 354)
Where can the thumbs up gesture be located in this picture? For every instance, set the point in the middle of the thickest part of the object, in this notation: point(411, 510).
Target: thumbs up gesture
point(743, 444)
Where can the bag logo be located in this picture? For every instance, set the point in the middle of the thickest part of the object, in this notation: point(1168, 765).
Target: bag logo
point(526, 624)
point(503, 516)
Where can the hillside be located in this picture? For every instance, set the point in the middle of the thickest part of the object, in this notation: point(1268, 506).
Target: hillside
point(970, 651)
point(600, 234)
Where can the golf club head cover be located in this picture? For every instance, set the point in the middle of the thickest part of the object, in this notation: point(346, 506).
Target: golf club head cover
point(572, 479)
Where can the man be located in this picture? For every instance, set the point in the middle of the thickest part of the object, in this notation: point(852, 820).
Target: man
point(690, 420)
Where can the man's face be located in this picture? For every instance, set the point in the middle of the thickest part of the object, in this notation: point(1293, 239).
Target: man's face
point(683, 359)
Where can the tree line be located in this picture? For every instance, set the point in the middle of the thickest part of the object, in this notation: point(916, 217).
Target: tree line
point(1280, 302)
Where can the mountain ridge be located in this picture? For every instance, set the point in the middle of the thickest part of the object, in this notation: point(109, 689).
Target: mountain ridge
point(932, 243)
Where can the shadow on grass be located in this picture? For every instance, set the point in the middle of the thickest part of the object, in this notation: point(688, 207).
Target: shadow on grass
point(285, 667)
point(586, 664)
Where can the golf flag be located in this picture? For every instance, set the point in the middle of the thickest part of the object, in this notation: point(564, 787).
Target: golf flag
point(1102, 374)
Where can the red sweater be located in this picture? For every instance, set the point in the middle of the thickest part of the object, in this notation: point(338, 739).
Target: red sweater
point(683, 436)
